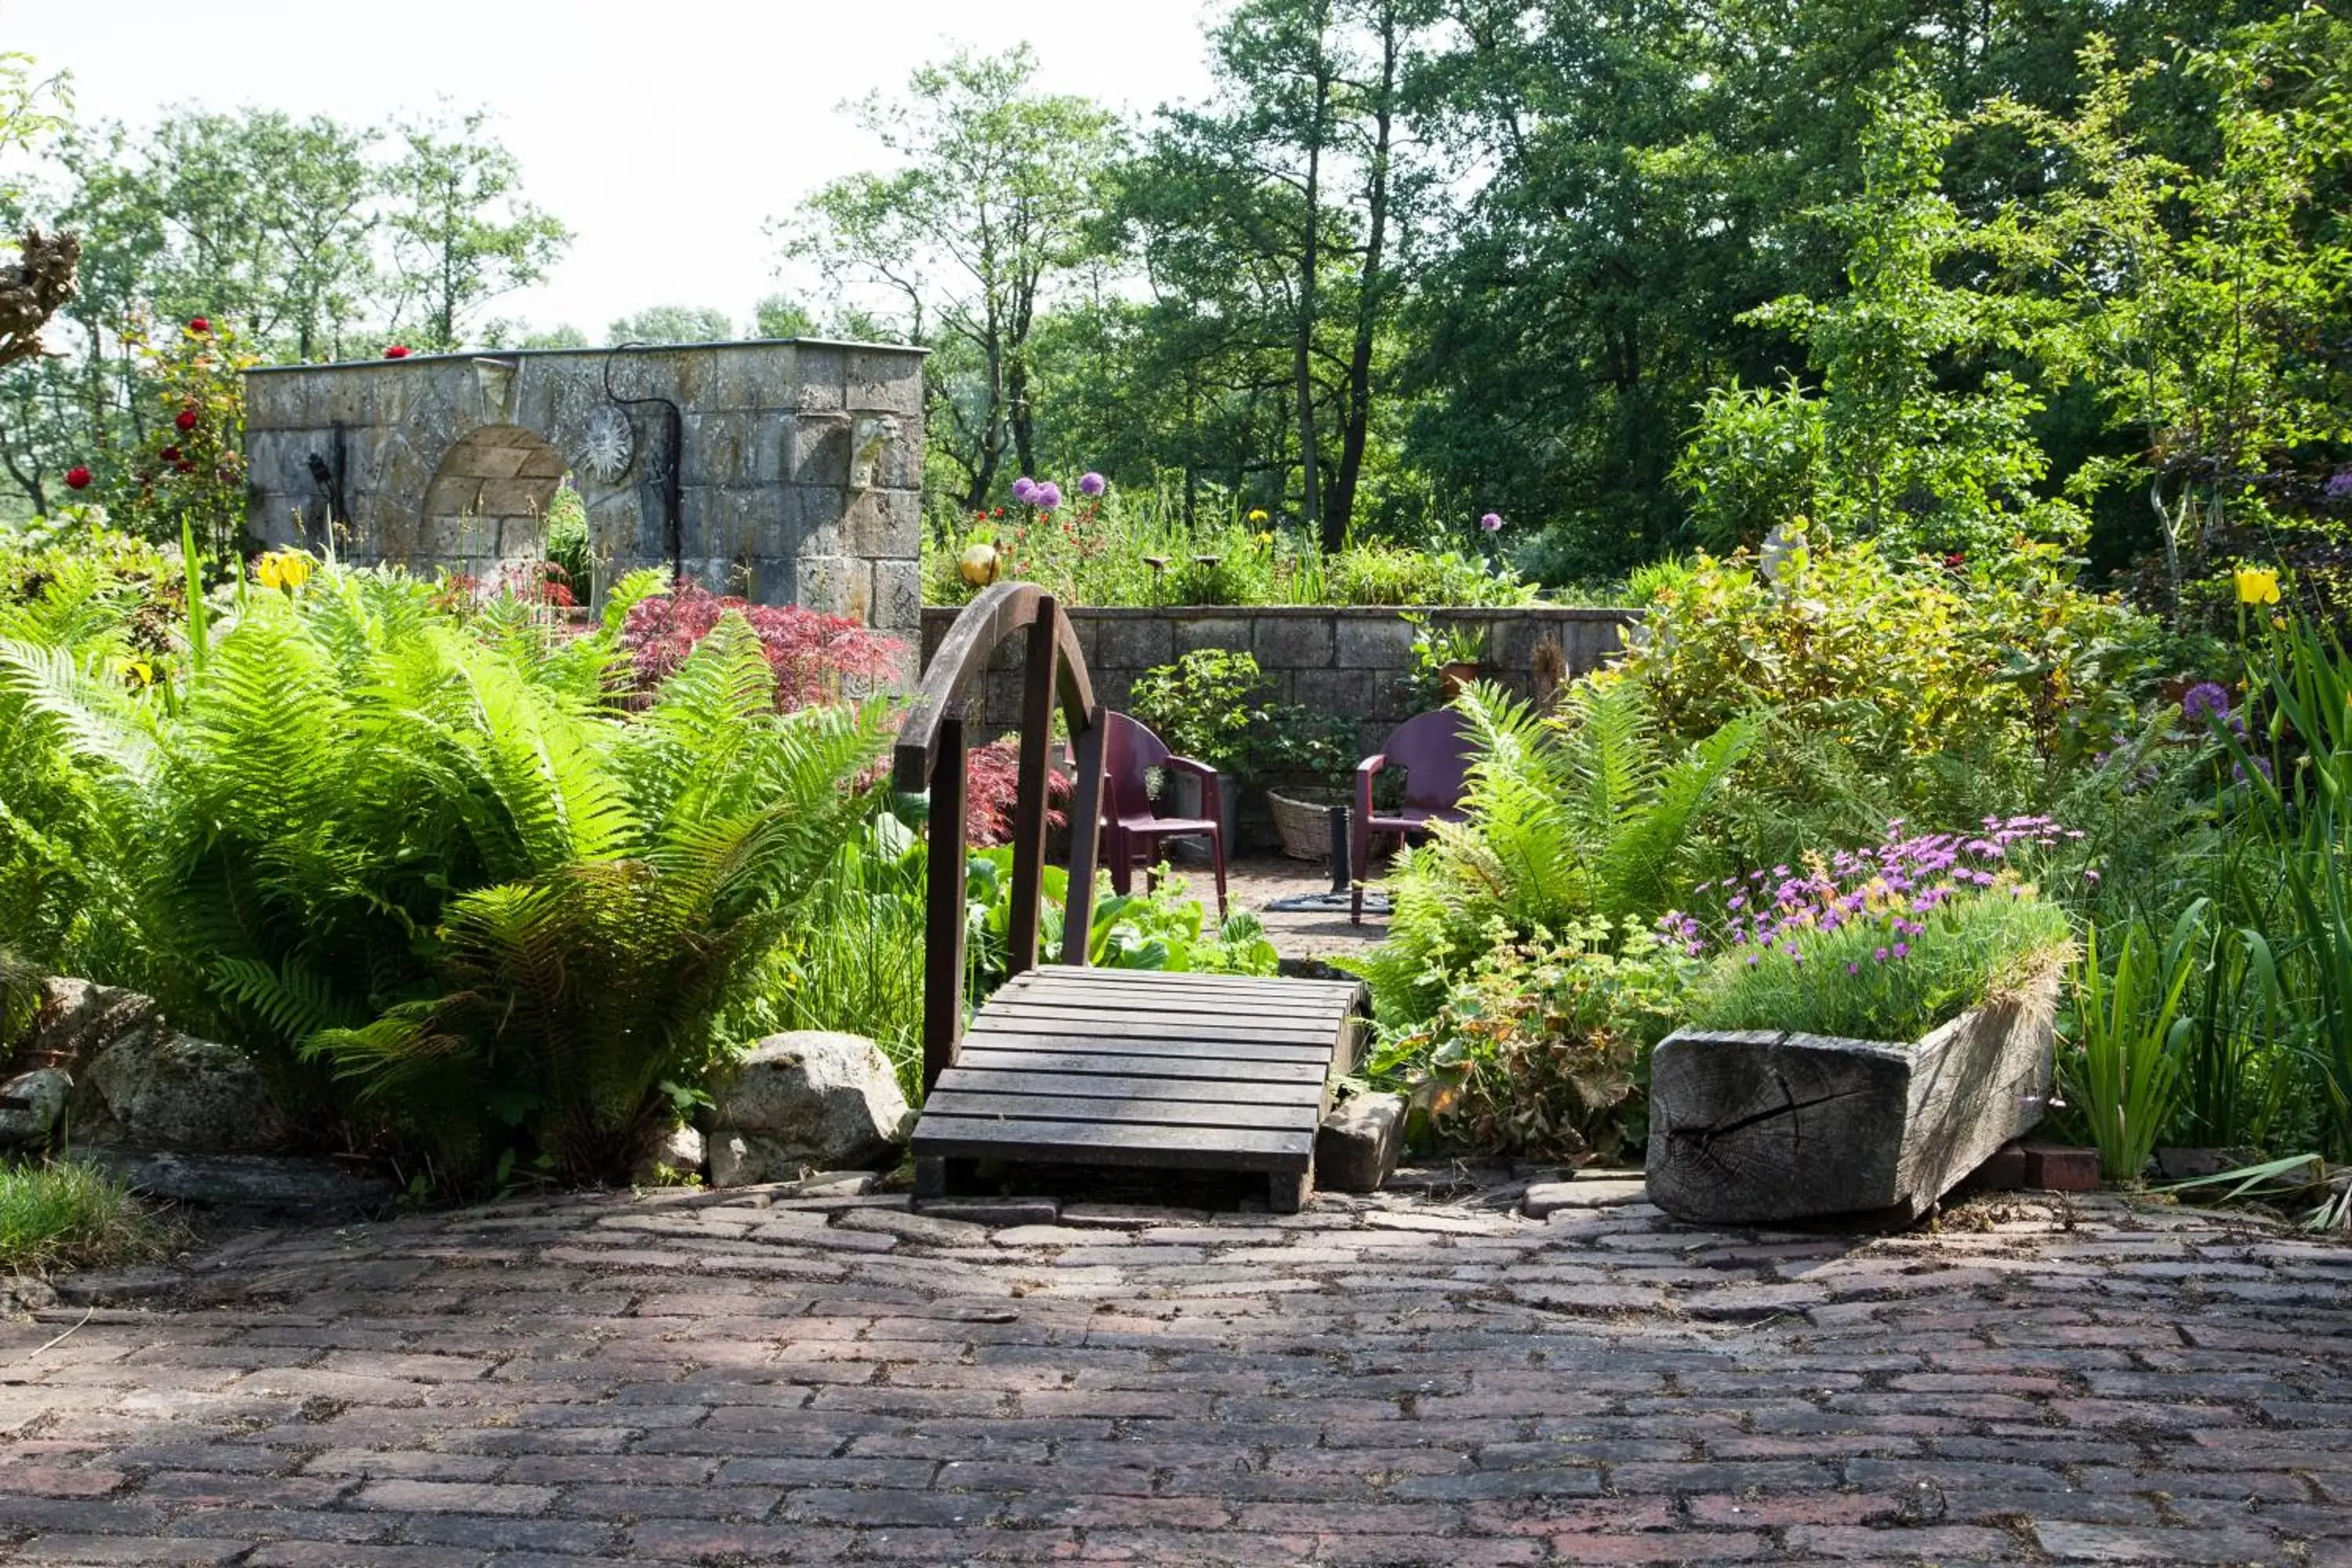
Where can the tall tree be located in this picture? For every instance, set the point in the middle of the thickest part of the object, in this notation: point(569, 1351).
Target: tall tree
point(1270, 217)
point(463, 234)
point(993, 213)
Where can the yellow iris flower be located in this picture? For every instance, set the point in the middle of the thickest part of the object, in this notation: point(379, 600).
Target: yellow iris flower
point(284, 569)
point(2256, 586)
point(134, 669)
point(1258, 514)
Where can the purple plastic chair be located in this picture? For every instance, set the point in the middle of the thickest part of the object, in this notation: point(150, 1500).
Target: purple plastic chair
point(1130, 827)
point(1433, 750)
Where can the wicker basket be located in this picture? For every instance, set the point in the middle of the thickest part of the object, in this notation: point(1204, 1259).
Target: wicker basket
point(1303, 821)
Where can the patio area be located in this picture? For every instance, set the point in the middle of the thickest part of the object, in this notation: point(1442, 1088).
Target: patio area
point(1424, 1376)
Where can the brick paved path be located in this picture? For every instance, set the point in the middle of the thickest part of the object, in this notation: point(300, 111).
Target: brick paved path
point(741, 1377)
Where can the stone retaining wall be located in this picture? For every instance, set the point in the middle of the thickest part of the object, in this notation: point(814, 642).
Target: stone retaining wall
point(1352, 662)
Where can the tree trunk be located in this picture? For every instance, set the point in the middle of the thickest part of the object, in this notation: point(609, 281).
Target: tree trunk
point(1357, 429)
point(1302, 361)
point(1018, 415)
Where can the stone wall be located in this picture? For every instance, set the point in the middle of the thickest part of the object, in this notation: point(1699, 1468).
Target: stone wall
point(1353, 663)
point(797, 465)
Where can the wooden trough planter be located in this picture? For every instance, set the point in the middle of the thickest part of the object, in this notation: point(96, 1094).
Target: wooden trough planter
point(1748, 1127)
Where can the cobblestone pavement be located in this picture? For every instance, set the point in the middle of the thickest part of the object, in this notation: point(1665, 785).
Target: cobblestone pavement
point(748, 1377)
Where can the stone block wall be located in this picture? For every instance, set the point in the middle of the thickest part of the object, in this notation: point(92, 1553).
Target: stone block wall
point(1352, 663)
point(798, 464)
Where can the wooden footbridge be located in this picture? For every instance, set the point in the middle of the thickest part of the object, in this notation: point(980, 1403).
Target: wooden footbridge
point(1070, 1064)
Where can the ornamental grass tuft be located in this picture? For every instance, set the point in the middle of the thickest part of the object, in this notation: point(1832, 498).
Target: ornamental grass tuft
point(68, 1216)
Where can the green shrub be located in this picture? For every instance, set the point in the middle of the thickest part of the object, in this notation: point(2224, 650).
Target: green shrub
point(2122, 1067)
point(1933, 692)
point(1540, 1048)
point(569, 547)
point(1124, 549)
point(1209, 706)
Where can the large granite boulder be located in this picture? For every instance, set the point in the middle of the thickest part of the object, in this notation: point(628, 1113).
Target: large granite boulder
point(803, 1101)
point(79, 1018)
point(156, 1087)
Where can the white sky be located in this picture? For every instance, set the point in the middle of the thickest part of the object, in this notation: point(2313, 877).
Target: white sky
point(662, 132)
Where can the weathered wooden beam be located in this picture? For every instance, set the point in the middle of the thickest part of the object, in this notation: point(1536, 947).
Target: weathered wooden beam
point(1029, 800)
point(944, 905)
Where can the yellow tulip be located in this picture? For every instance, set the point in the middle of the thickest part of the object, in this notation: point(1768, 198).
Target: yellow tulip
point(2256, 586)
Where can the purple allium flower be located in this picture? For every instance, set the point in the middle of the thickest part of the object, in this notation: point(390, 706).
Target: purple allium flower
point(2339, 485)
point(1046, 496)
point(1024, 489)
point(2206, 700)
point(1492, 522)
point(1090, 484)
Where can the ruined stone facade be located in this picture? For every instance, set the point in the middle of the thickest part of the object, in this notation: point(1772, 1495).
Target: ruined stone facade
point(788, 472)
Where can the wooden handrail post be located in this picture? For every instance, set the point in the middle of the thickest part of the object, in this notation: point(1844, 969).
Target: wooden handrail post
point(943, 902)
point(1029, 790)
point(1086, 837)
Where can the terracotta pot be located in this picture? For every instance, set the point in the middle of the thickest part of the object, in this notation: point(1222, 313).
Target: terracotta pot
point(1453, 677)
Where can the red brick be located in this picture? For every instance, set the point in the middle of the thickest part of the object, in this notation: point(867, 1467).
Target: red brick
point(2056, 1169)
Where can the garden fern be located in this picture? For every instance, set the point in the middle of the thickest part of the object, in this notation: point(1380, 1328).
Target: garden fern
point(1585, 812)
point(420, 862)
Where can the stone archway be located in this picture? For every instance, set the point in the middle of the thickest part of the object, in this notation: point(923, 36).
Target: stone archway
point(788, 472)
point(487, 505)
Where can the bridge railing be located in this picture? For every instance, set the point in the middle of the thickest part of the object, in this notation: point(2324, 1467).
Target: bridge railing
point(930, 755)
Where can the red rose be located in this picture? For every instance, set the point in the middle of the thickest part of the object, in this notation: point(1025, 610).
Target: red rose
point(77, 477)
point(184, 465)
point(397, 351)
point(185, 419)
point(169, 454)
point(200, 324)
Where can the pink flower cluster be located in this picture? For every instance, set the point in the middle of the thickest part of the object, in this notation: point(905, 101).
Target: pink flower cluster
point(815, 656)
point(1894, 887)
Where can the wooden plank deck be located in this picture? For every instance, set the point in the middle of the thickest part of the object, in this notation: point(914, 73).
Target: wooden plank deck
point(1120, 1067)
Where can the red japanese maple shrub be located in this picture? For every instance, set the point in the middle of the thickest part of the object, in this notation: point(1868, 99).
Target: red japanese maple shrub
point(815, 656)
point(992, 788)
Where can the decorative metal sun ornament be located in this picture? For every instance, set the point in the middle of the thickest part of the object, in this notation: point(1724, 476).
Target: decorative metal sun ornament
point(610, 444)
